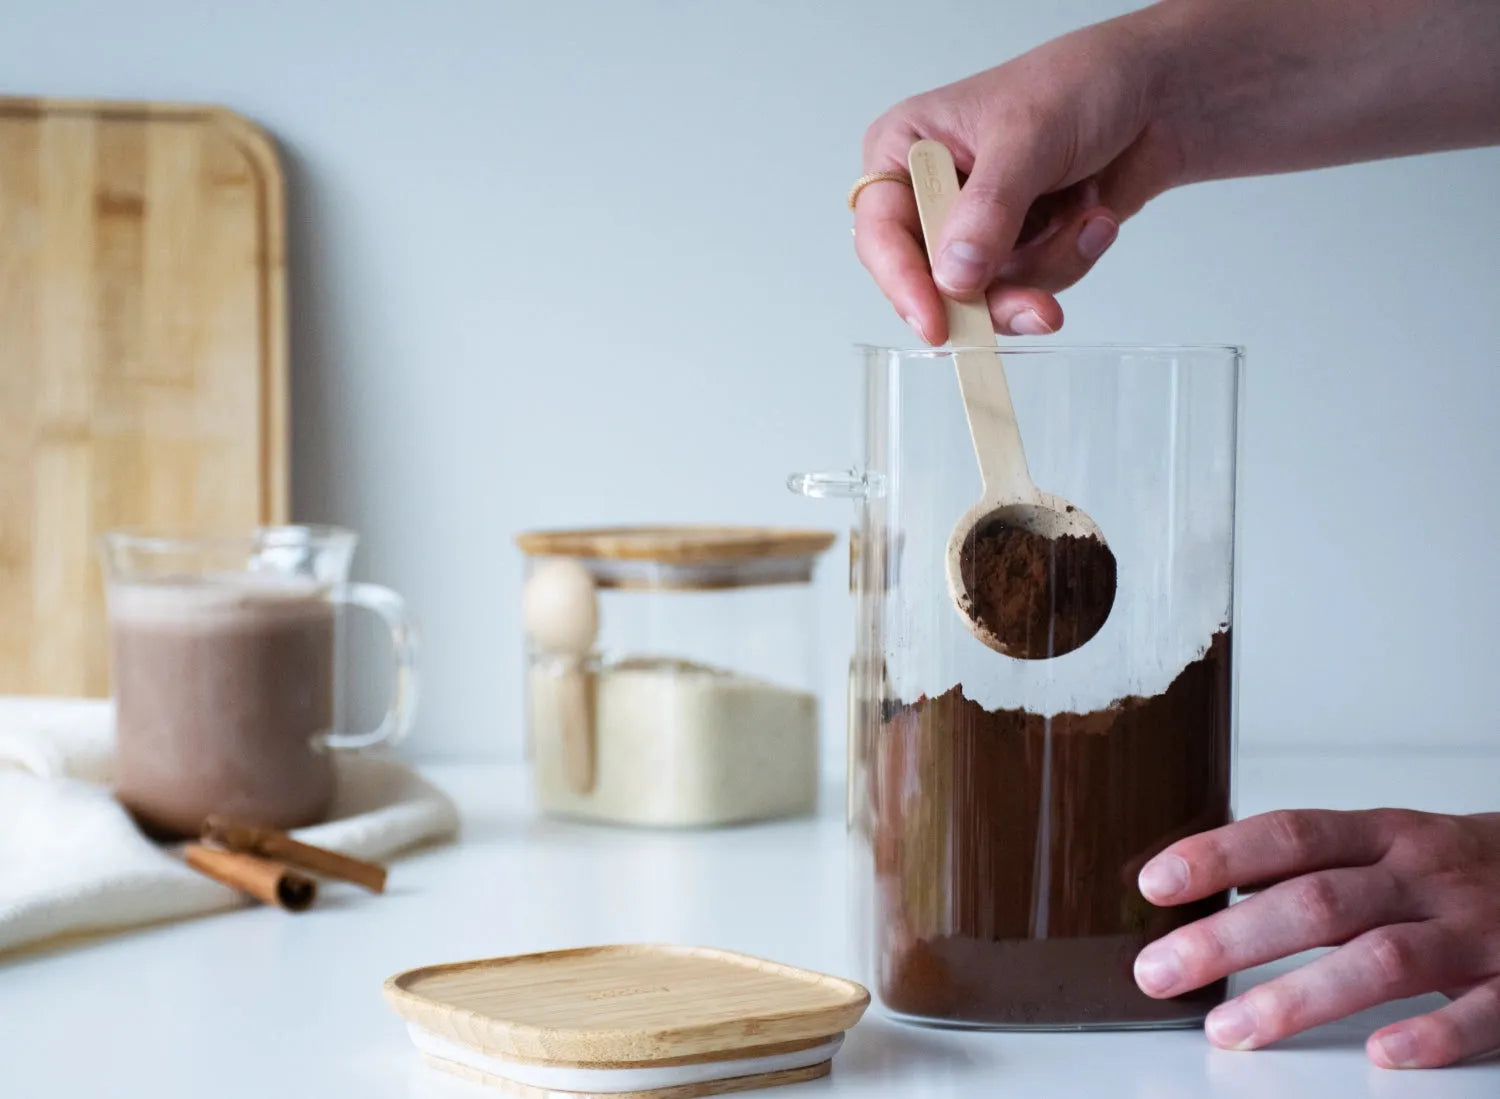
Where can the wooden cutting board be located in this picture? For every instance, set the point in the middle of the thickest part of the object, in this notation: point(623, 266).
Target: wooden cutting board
point(142, 356)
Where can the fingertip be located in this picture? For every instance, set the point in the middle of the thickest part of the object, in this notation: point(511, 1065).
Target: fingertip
point(1028, 322)
point(962, 268)
point(927, 321)
point(1393, 1047)
point(1024, 311)
point(889, 245)
point(1234, 1025)
point(936, 327)
point(1098, 229)
point(1158, 970)
point(1163, 879)
point(915, 323)
point(925, 311)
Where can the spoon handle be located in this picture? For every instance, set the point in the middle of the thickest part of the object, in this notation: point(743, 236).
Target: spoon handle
point(981, 377)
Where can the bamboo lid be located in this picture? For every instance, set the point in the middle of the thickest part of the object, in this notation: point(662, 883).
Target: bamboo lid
point(675, 545)
point(673, 1017)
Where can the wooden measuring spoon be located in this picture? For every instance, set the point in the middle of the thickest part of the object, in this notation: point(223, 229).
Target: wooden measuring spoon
point(1031, 574)
point(560, 612)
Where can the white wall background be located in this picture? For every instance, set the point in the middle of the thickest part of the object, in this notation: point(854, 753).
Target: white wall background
point(583, 262)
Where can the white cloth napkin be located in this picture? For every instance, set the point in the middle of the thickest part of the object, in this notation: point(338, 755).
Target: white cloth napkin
point(71, 859)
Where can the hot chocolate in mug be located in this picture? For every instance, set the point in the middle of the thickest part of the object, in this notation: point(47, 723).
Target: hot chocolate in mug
point(226, 668)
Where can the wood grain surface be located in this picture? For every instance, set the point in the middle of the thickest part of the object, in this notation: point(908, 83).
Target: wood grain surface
point(142, 356)
point(624, 1006)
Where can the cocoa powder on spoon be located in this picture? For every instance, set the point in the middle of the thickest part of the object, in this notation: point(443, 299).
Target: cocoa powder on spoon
point(1039, 597)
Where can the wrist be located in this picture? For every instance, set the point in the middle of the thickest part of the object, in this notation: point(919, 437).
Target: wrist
point(1169, 41)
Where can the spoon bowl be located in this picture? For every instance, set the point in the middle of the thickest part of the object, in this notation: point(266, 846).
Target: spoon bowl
point(1052, 612)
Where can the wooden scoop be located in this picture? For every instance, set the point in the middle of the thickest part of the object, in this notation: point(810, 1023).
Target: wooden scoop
point(560, 611)
point(1071, 587)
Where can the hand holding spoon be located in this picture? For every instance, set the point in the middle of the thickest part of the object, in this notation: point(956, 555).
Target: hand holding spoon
point(1031, 574)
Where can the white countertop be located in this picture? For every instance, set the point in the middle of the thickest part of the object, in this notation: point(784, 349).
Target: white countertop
point(259, 1003)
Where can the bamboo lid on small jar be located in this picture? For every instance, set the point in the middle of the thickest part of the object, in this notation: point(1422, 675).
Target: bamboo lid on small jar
point(685, 557)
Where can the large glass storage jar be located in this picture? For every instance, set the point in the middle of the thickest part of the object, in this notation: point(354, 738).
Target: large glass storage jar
point(671, 673)
point(1000, 809)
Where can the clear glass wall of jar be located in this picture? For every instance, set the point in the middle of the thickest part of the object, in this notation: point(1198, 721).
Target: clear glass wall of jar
point(1000, 809)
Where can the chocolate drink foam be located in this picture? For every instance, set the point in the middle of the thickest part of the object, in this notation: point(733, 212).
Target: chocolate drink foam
point(1007, 846)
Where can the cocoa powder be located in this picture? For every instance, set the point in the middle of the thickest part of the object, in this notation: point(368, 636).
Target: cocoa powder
point(1007, 846)
point(1039, 597)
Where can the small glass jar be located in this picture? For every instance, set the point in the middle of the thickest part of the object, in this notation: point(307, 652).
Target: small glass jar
point(1000, 809)
point(671, 673)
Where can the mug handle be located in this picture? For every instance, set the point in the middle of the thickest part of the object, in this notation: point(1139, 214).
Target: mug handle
point(391, 609)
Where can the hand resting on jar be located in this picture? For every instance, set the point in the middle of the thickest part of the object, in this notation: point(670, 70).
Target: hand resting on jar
point(1410, 901)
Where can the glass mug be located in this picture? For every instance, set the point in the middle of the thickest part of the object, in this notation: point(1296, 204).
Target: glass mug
point(226, 658)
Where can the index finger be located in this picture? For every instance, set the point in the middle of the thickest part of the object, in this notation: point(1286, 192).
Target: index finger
point(1265, 848)
point(888, 241)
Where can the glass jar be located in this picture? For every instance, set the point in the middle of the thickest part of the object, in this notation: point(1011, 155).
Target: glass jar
point(1000, 809)
point(671, 673)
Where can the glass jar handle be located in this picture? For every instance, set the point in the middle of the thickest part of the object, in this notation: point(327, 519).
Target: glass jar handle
point(391, 609)
point(845, 484)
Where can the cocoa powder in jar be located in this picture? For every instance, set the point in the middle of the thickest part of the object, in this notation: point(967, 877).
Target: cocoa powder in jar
point(1007, 845)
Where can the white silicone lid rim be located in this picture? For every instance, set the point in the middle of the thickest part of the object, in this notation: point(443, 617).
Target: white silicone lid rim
point(615, 1080)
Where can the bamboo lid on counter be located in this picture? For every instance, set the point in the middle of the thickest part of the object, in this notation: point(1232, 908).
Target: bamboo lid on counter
point(652, 1022)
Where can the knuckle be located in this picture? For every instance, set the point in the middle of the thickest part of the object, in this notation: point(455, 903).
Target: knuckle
point(1294, 832)
point(1023, 119)
point(1453, 840)
point(1439, 1039)
point(1278, 1011)
point(1430, 842)
point(1318, 903)
point(1486, 1000)
point(1055, 269)
point(1393, 958)
point(1201, 947)
point(1208, 858)
point(882, 136)
point(872, 261)
point(1395, 821)
point(993, 197)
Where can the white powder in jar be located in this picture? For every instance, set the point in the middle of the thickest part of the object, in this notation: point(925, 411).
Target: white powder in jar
point(678, 744)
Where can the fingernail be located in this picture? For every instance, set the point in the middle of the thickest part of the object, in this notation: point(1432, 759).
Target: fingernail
point(1097, 234)
point(960, 267)
point(1010, 269)
point(916, 326)
point(1398, 1048)
point(1158, 970)
point(1231, 1026)
point(1163, 877)
point(1028, 322)
point(1090, 196)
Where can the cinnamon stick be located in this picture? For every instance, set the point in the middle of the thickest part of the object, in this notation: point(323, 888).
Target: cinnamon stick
point(266, 880)
point(273, 844)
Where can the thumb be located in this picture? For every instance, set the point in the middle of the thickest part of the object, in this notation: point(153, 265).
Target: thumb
point(983, 226)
